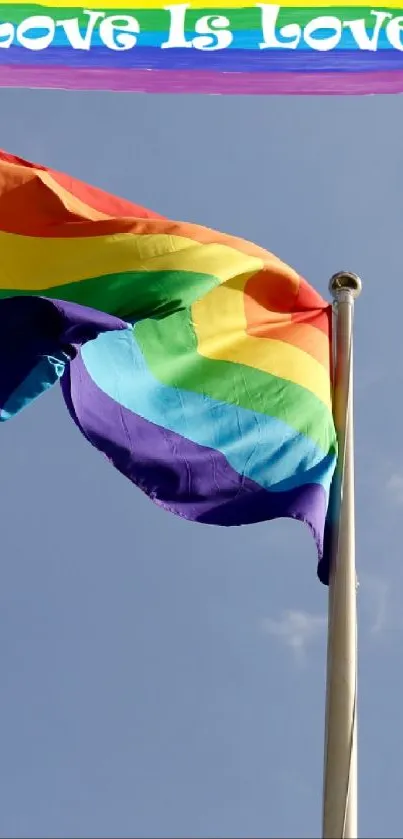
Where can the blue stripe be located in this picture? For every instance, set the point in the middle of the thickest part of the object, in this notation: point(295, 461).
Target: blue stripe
point(258, 447)
point(246, 61)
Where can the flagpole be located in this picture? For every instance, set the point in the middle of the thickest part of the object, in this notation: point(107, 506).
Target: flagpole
point(340, 765)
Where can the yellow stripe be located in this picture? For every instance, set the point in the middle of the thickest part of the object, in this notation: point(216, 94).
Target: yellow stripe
point(35, 264)
point(220, 326)
point(204, 4)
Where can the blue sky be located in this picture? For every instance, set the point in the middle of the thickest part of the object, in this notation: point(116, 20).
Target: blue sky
point(160, 678)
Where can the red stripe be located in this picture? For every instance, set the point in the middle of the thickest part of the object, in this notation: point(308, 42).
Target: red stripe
point(30, 203)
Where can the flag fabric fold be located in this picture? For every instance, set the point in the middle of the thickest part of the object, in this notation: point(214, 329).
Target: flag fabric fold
point(197, 362)
point(38, 338)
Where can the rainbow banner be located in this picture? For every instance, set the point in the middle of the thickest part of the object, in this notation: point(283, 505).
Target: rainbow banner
point(198, 363)
point(203, 46)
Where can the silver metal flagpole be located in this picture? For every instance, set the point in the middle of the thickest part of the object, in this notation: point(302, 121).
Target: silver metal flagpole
point(340, 767)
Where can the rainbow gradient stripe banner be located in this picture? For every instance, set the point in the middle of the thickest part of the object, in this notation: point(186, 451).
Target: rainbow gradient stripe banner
point(203, 46)
point(198, 363)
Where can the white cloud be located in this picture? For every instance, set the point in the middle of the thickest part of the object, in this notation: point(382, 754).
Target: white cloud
point(374, 592)
point(296, 630)
point(395, 488)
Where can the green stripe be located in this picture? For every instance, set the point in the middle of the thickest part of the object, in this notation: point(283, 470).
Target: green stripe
point(157, 20)
point(133, 294)
point(170, 349)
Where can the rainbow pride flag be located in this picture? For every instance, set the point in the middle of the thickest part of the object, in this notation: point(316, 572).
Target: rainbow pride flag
point(198, 363)
point(203, 46)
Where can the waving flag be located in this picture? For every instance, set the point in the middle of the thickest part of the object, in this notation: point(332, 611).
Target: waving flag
point(203, 46)
point(198, 363)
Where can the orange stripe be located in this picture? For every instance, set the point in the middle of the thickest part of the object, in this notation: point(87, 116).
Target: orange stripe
point(274, 290)
point(321, 320)
point(270, 312)
point(30, 200)
point(18, 161)
point(277, 296)
point(91, 197)
point(304, 335)
point(34, 199)
point(100, 200)
point(308, 298)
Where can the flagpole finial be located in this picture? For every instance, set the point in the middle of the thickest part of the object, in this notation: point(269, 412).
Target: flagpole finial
point(345, 281)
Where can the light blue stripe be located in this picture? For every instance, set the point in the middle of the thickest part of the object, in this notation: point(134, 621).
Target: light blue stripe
point(46, 373)
point(262, 448)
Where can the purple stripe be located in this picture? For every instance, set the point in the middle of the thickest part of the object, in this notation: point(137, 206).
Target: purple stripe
point(223, 61)
point(187, 479)
point(32, 328)
point(155, 81)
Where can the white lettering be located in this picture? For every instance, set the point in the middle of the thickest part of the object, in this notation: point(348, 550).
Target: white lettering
point(72, 30)
point(325, 22)
point(119, 32)
point(177, 38)
point(360, 34)
point(394, 31)
point(269, 20)
point(209, 39)
point(32, 42)
point(7, 32)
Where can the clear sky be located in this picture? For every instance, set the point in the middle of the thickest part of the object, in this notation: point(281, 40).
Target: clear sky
point(167, 679)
